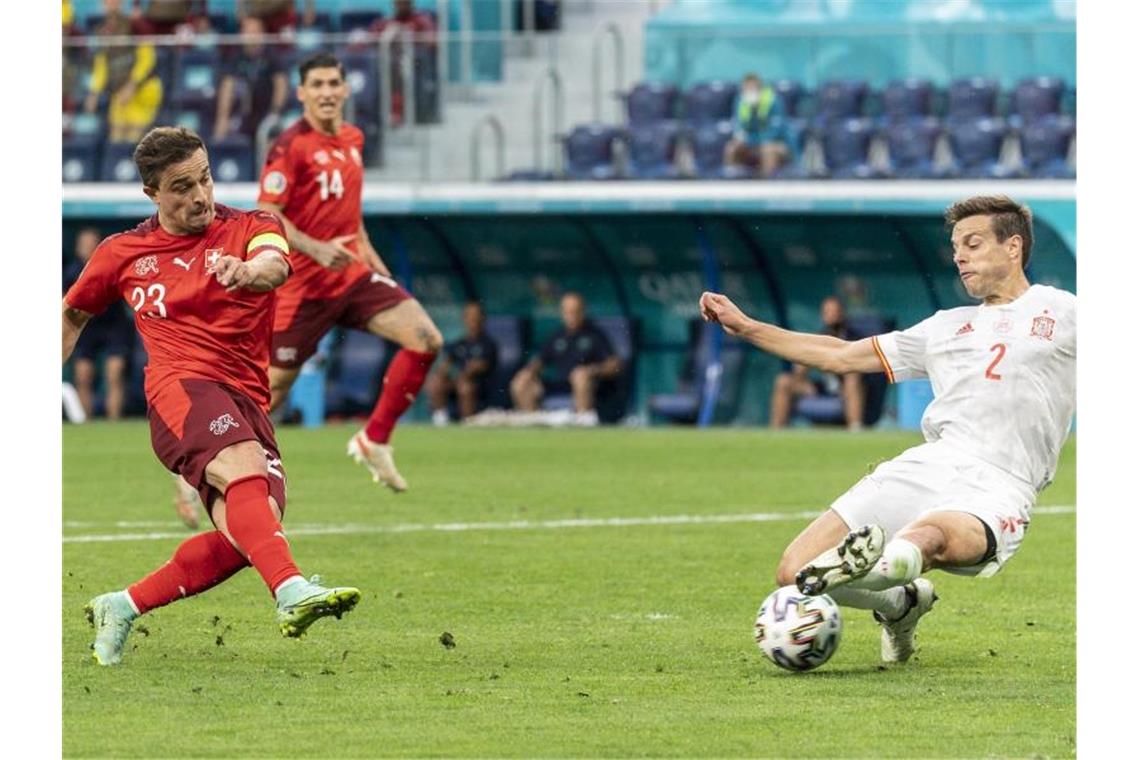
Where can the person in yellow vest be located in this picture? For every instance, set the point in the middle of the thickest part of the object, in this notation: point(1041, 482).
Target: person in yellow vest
point(127, 73)
point(760, 141)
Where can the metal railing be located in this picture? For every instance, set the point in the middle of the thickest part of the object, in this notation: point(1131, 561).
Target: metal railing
point(492, 121)
point(612, 32)
point(552, 78)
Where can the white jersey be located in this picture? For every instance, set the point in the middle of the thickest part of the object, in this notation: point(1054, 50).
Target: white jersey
point(1004, 378)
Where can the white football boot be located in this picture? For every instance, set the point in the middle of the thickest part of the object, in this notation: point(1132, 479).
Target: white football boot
point(853, 558)
point(377, 457)
point(898, 635)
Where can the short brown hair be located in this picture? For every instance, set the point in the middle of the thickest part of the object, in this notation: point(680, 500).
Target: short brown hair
point(1007, 217)
point(162, 147)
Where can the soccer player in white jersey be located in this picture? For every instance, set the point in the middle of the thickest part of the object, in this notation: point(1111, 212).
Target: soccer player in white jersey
point(1004, 379)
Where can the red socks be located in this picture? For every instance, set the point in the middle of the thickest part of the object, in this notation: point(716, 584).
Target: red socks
point(402, 382)
point(255, 529)
point(199, 563)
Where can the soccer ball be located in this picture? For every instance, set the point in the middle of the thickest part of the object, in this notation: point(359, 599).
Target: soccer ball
point(796, 631)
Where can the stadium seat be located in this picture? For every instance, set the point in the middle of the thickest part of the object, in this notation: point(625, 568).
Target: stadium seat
point(709, 102)
point(846, 147)
point(977, 147)
point(590, 152)
point(684, 405)
point(650, 102)
point(118, 163)
point(653, 150)
point(911, 144)
point(231, 159)
point(196, 78)
point(363, 74)
point(356, 366)
point(708, 142)
point(512, 336)
point(971, 98)
point(1036, 98)
point(1045, 146)
point(837, 100)
point(828, 409)
point(529, 175)
point(790, 93)
point(351, 21)
point(612, 396)
point(904, 99)
point(81, 158)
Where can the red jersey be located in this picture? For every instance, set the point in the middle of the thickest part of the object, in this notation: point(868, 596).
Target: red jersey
point(317, 179)
point(191, 327)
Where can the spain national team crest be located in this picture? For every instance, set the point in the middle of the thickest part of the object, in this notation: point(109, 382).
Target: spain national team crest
point(1042, 327)
point(146, 265)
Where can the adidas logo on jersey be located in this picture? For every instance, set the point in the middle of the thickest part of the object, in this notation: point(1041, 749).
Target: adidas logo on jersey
point(966, 328)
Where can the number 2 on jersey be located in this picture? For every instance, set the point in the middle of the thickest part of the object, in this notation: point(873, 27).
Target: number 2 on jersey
point(156, 293)
point(331, 184)
point(990, 374)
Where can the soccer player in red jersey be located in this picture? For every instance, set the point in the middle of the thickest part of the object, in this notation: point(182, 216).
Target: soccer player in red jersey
point(201, 278)
point(313, 179)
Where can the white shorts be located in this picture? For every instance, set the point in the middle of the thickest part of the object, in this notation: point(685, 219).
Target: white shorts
point(934, 477)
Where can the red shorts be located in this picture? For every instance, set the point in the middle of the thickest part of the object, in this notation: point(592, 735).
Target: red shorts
point(297, 332)
point(192, 420)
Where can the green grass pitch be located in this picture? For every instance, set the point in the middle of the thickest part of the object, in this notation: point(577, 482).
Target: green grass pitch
point(611, 640)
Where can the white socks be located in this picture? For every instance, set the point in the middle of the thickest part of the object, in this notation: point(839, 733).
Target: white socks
point(890, 603)
point(900, 564)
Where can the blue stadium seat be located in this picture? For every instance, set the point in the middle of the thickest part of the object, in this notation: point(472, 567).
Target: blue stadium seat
point(904, 99)
point(231, 159)
point(971, 98)
point(708, 142)
point(81, 158)
point(1045, 146)
point(356, 364)
point(590, 152)
point(828, 409)
point(529, 175)
point(839, 99)
point(353, 20)
point(650, 102)
point(1036, 98)
point(653, 150)
point(911, 144)
point(977, 146)
point(846, 144)
point(790, 93)
point(709, 102)
point(613, 397)
point(196, 77)
point(511, 335)
point(118, 163)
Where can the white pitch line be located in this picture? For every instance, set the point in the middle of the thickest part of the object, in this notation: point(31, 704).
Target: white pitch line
point(607, 522)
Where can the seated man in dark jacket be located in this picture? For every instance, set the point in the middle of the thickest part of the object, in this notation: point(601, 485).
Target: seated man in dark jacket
point(579, 355)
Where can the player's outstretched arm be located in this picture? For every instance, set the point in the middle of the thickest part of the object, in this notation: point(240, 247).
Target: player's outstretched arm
point(74, 320)
point(821, 351)
point(263, 272)
point(332, 254)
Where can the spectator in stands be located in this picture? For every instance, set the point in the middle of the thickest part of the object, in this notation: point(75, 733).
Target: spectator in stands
point(110, 335)
point(179, 17)
point(277, 16)
point(127, 75)
point(262, 70)
point(760, 141)
point(474, 357)
point(422, 26)
point(797, 383)
point(72, 61)
point(580, 356)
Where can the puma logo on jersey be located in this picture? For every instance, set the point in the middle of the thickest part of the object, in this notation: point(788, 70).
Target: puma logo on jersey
point(338, 154)
point(184, 264)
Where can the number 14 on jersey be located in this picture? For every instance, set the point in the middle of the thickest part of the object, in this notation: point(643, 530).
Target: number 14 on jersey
point(331, 184)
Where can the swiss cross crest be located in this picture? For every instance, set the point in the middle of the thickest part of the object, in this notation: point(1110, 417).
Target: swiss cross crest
point(321, 157)
point(146, 265)
point(966, 328)
point(212, 256)
point(1042, 327)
